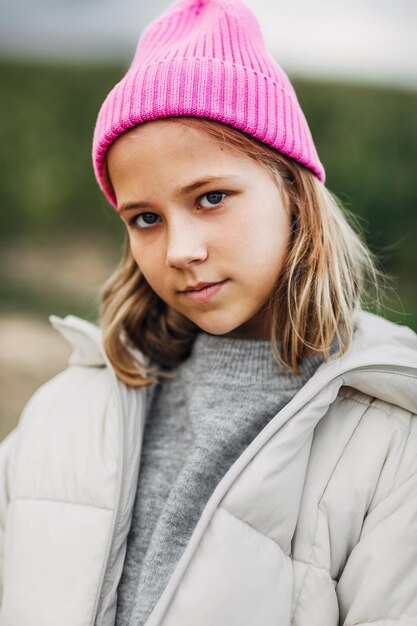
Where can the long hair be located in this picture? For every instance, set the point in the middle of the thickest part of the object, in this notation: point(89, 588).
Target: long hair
point(328, 274)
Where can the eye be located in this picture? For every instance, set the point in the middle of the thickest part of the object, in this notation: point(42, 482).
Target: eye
point(145, 220)
point(212, 199)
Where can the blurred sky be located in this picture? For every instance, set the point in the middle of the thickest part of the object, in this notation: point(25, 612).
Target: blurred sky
point(362, 40)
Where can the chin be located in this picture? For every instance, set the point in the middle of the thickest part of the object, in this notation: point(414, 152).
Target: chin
point(218, 326)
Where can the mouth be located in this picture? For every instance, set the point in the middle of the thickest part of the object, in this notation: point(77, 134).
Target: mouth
point(203, 291)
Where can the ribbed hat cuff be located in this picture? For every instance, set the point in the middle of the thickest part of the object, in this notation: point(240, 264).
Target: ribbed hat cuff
point(211, 88)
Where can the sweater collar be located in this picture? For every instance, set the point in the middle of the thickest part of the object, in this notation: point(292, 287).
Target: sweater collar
point(217, 359)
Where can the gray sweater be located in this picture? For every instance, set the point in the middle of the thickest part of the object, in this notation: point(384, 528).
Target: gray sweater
point(197, 425)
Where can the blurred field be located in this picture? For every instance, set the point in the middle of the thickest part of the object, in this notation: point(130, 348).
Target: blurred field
point(59, 238)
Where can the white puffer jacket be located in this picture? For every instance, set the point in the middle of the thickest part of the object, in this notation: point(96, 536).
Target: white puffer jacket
point(315, 524)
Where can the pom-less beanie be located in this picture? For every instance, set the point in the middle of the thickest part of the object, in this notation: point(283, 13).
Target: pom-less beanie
point(206, 58)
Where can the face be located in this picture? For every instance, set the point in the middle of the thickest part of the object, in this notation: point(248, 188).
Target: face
point(197, 212)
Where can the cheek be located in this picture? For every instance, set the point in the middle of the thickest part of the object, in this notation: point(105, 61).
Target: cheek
point(147, 259)
point(265, 246)
point(277, 235)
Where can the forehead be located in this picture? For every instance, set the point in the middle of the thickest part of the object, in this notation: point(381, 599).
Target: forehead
point(173, 144)
point(166, 156)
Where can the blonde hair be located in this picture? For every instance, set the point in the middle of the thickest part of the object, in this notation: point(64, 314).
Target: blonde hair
point(327, 275)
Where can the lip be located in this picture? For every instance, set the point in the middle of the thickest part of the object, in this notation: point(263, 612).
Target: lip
point(202, 292)
point(198, 286)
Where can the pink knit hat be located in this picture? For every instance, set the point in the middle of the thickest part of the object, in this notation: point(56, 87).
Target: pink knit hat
point(207, 58)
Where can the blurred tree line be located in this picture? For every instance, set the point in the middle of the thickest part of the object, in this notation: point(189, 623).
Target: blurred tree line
point(365, 136)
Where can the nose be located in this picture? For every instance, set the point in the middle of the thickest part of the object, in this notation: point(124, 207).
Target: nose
point(185, 245)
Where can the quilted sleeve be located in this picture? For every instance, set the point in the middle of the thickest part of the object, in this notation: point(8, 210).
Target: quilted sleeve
point(6, 450)
point(378, 584)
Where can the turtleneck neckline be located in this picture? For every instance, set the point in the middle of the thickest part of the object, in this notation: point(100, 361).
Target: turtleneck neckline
point(215, 359)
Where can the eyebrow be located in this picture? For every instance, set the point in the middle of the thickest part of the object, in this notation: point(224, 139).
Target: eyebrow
point(181, 191)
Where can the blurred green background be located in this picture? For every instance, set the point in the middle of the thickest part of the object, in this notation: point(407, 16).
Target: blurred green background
point(60, 238)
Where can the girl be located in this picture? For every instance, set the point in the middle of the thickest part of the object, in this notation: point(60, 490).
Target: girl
point(238, 444)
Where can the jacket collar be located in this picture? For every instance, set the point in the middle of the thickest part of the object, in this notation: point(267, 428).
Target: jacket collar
point(381, 361)
point(85, 339)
